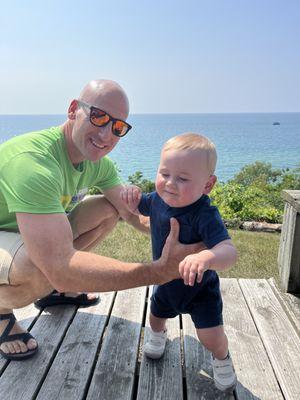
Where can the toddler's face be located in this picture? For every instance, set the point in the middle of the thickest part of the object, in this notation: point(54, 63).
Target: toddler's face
point(183, 177)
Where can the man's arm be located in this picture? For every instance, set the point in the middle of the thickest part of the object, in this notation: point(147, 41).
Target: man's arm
point(48, 240)
point(139, 222)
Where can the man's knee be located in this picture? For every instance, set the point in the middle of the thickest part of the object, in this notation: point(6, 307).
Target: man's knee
point(91, 213)
point(26, 283)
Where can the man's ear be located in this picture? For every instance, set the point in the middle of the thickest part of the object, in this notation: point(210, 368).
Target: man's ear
point(210, 184)
point(72, 109)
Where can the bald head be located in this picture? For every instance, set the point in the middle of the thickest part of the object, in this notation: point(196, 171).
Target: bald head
point(108, 96)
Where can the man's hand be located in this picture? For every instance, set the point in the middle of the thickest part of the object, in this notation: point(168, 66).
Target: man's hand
point(173, 253)
point(131, 196)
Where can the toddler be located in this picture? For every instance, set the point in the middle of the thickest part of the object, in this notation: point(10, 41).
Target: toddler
point(184, 179)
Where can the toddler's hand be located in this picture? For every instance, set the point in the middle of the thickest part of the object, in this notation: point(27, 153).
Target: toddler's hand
point(194, 265)
point(131, 195)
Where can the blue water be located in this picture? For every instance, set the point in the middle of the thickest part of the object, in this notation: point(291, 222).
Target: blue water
point(240, 138)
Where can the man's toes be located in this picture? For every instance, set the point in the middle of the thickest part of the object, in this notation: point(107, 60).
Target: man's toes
point(8, 348)
point(91, 296)
point(20, 347)
point(31, 344)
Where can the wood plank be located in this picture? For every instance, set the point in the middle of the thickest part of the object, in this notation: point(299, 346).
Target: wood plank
point(162, 379)
point(290, 302)
point(277, 333)
point(21, 380)
point(70, 371)
point(256, 379)
point(26, 317)
point(292, 197)
point(114, 374)
point(286, 245)
point(198, 369)
point(289, 250)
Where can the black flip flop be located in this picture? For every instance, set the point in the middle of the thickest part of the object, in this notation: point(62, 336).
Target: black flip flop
point(24, 337)
point(56, 299)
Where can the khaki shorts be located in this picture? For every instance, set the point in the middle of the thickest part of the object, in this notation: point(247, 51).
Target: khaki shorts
point(10, 242)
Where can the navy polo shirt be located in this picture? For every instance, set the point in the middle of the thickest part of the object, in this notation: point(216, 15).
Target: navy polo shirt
point(199, 222)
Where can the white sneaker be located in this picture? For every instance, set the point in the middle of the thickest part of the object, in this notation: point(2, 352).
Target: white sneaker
point(156, 344)
point(224, 375)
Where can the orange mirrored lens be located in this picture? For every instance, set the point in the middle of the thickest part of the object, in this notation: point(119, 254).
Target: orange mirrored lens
point(99, 118)
point(120, 128)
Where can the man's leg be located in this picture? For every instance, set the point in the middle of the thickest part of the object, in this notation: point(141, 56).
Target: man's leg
point(91, 221)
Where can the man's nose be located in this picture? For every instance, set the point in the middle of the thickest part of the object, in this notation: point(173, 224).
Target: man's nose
point(105, 131)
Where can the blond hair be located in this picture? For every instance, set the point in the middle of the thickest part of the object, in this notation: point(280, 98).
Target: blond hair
point(194, 141)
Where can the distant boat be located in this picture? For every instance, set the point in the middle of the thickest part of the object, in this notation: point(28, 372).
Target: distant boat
point(276, 123)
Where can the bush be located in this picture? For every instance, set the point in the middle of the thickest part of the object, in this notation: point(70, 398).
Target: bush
point(255, 193)
point(145, 185)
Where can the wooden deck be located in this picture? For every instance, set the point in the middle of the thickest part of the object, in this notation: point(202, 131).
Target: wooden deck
point(94, 353)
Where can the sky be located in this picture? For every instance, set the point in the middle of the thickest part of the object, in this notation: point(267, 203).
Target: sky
point(170, 56)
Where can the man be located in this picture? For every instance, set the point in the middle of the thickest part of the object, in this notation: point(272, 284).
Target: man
point(41, 247)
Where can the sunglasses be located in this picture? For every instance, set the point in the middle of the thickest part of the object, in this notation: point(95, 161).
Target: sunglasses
point(101, 118)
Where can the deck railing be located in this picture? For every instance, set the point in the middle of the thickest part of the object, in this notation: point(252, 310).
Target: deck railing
point(289, 249)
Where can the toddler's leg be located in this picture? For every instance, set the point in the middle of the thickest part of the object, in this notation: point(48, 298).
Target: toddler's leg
point(157, 324)
point(156, 344)
point(215, 340)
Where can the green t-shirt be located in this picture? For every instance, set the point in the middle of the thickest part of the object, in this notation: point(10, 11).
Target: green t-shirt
point(37, 176)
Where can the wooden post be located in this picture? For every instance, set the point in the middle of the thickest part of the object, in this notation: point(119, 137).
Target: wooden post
point(289, 250)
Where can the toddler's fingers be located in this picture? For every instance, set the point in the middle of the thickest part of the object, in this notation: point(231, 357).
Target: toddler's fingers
point(189, 273)
point(181, 268)
point(131, 198)
point(192, 275)
point(123, 195)
point(138, 195)
point(200, 274)
point(185, 272)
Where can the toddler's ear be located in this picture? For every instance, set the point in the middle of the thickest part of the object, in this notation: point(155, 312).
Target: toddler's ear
point(210, 184)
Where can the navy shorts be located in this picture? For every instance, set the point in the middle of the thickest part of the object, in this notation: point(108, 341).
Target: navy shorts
point(205, 307)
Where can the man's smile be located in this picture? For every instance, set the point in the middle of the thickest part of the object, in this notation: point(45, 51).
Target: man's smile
point(99, 146)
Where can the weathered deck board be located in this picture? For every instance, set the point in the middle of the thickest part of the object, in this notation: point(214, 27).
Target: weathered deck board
point(277, 333)
point(162, 379)
point(92, 353)
point(115, 370)
point(198, 369)
point(26, 316)
point(70, 371)
point(290, 303)
point(21, 380)
point(256, 379)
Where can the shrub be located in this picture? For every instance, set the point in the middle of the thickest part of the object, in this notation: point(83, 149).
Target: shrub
point(145, 185)
point(255, 193)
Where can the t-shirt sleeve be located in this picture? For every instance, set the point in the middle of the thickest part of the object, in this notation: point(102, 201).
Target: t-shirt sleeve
point(212, 228)
point(107, 176)
point(31, 183)
point(145, 204)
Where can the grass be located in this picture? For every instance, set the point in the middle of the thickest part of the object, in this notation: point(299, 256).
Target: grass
point(257, 251)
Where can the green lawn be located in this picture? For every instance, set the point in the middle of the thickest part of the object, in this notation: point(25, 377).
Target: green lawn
point(257, 251)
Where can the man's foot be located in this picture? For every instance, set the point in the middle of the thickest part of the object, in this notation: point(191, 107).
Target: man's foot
point(80, 300)
point(224, 375)
point(156, 344)
point(15, 343)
